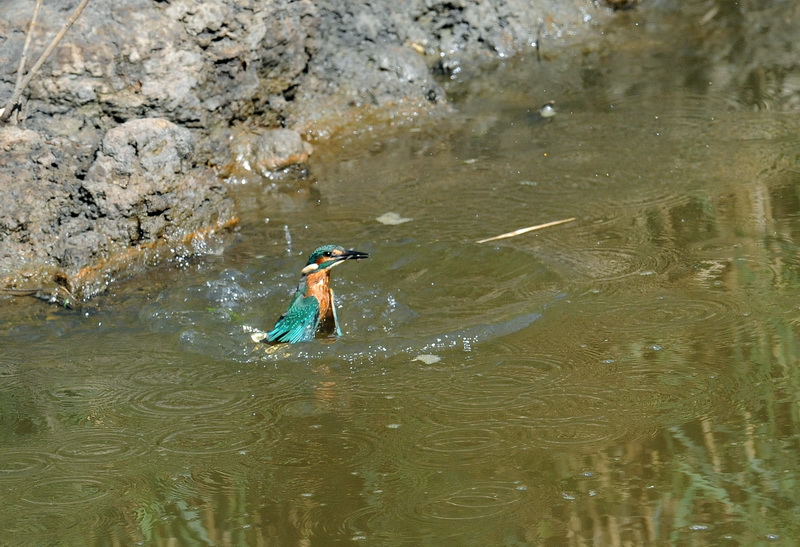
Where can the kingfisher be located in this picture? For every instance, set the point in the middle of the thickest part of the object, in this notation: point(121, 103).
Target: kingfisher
point(312, 308)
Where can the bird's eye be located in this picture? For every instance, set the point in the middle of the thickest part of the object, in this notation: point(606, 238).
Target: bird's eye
point(327, 254)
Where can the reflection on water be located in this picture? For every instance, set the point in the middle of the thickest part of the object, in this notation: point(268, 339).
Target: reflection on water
point(630, 377)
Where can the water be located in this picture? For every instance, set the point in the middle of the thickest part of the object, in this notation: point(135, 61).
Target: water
point(629, 377)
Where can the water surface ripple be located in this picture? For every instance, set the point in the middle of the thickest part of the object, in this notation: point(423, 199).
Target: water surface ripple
point(626, 378)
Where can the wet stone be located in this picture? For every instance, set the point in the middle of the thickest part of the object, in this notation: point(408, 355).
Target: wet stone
point(142, 194)
point(262, 152)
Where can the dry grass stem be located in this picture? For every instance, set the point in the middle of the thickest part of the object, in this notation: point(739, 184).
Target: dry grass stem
point(23, 83)
point(23, 59)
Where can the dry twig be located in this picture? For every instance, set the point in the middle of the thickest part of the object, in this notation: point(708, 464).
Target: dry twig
point(526, 230)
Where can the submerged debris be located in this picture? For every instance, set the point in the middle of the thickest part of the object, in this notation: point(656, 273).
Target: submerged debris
point(59, 296)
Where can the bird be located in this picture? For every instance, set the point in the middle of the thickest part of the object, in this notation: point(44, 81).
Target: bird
point(312, 308)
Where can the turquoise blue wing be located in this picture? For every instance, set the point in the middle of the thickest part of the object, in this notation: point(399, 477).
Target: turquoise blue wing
point(299, 323)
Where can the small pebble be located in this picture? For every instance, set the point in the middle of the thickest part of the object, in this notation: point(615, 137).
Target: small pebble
point(548, 110)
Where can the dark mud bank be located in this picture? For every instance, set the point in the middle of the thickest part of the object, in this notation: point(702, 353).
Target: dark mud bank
point(116, 157)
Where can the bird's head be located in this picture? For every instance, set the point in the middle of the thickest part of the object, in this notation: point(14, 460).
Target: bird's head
point(326, 257)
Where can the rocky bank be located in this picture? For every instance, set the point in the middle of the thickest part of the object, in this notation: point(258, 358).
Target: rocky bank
point(117, 158)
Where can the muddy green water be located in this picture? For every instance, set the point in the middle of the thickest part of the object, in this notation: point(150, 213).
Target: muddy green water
point(628, 378)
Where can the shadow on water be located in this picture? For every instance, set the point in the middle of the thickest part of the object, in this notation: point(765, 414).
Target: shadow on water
point(626, 378)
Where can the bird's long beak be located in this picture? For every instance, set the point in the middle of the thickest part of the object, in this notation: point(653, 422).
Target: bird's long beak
point(351, 254)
